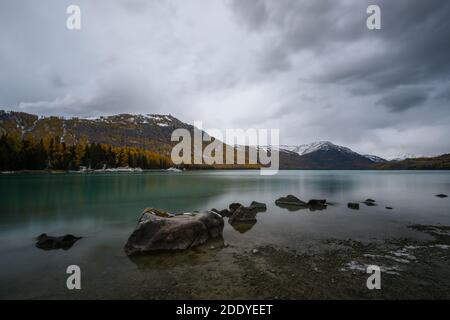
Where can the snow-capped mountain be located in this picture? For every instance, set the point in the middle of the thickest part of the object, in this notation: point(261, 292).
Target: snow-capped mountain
point(375, 159)
point(315, 146)
point(150, 131)
point(404, 156)
point(325, 155)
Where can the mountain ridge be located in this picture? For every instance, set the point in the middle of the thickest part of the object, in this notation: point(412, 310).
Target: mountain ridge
point(153, 132)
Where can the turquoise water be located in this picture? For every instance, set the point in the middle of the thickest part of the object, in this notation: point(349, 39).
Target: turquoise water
point(104, 208)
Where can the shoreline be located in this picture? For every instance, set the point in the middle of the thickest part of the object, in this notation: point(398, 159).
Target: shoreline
point(138, 170)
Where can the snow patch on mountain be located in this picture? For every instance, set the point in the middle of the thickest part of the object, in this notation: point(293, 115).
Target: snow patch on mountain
point(404, 156)
point(138, 119)
point(375, 159)
point(316, 146)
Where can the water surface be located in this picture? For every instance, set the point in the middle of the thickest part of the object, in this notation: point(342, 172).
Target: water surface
point(104, 208)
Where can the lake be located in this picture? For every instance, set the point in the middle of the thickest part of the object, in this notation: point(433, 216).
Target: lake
point(104, 209)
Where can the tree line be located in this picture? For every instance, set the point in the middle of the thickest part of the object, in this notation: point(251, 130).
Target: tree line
point(52, 153)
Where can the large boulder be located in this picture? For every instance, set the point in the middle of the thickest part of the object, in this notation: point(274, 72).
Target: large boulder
point(176, 232)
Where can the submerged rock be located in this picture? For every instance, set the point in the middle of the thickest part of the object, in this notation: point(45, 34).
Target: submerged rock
point(46, 242)
point(155, 233)
point(441, 195)
point(290, 200)
point(353, 205)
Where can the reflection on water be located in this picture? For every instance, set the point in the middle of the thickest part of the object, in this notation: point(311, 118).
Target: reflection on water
point(243, 226)
point(167, 260)
point(104, 208)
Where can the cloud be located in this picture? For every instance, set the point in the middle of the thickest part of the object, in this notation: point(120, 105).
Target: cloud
point(308, 67)
point(404, 99)
point(252, 13)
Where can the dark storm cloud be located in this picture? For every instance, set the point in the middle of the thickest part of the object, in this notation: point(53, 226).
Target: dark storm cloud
point(308, 67)
point(412, 45)
point(402, 100)
point(253, 13)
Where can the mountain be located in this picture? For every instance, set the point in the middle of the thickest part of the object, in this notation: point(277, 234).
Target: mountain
point(401, 157)
point(324, 155)
point(151, 131)
point(316, 146)
point(423, 163)
point(375, 159)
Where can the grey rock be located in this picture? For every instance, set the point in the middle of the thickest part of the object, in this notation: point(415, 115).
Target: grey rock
point(155, 233)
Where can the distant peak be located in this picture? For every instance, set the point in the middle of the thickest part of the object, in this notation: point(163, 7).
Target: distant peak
point(315, 146)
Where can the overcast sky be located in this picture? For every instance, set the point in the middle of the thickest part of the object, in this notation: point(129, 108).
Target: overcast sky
point(308, 67)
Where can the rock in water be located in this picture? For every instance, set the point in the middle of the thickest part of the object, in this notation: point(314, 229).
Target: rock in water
point(243, 214)
point(180, 232)
point(290, 200)
point(370, 202)
point(353, 205)
point(258, 205)
point(234, 206)
point(46, 242)
point(315, 204)
point(441, 195)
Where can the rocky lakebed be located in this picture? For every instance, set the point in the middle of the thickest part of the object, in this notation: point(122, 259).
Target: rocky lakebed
point(196, 262)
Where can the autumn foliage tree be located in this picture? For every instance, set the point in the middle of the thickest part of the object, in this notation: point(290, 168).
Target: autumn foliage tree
point(25, 153)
